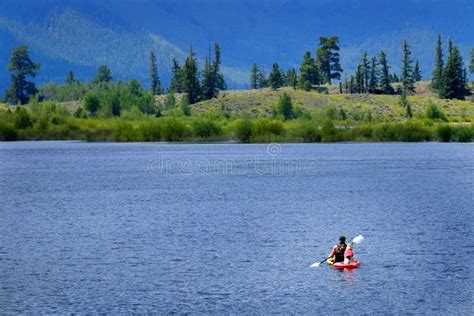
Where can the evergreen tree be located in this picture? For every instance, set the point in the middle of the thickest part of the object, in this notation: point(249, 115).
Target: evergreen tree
point(385, 81)
point(437, 75)
point(352, 85)
point(285, 106)
point(395, 78)
point(274, 79)
point(213, 80)
point(103, 75)
point(309, 74)
point(170, 101)
point(284, 79)
point(191, 84)
point(262, 79)
point(22, 66)
point(291, 78)
point(176, 84)
point(417, 72)
point(366, 71)
point(359, 79)
point(184, 105)
point(471, 65)
point(254, 77)
point(407, 69)
point(70, 78)
point(155, 84)
point(454, 84)
point(374, 77)
point(328, 58)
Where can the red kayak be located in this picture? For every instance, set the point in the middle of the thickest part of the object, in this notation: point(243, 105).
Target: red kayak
point(341, 265)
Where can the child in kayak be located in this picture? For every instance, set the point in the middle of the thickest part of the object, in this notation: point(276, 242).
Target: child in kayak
point(348, 254)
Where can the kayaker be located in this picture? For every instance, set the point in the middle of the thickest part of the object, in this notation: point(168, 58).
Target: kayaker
point(348, 254)
point(337, 253)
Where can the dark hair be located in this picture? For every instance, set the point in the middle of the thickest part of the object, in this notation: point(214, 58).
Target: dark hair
point(342, 239)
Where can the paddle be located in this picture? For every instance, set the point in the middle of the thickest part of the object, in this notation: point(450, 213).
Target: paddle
point(357, 240)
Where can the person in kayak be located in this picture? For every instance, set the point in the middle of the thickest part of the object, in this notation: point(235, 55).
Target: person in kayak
point(337, 253)
point(348, 254)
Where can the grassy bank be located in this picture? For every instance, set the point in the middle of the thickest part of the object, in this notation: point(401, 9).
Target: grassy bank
point(250, 116)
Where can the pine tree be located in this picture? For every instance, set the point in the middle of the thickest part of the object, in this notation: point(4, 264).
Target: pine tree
point(417, 72)
point(22, 66)
point(359, 79)
point(352, 85)
point(274, 79)
point(366, 71)
point(70, 78)
point(254, 77)
point(291, 78)
point(191, 84)
point(407, 69)
point(103, 75)
point(213, 78)
point(262, 79)
point(374, 77)
point(471, 65)
point(437, 75)
point(395, 77)
point(206, 84)
point(155, 84)
point(454, 81)
point(328, 58)
point(385, 81)
point(284, 79)
point(176, 84)
point(309, 74)
point(285, 106)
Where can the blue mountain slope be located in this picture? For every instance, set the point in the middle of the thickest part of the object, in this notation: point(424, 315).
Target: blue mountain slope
point(82, 34)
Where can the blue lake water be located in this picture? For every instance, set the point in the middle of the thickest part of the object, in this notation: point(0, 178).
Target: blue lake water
point(233, 228)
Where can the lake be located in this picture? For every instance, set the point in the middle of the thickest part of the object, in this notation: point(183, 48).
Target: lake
point(233, 228)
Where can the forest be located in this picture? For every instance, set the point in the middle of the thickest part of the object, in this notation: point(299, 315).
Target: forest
point(377, 104)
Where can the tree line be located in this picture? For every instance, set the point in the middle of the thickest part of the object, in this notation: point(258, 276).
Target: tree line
point(449, 76)
point(189, 79)
point(372, 73)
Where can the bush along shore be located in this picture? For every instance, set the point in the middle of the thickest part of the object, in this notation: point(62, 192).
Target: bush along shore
point(178, 122)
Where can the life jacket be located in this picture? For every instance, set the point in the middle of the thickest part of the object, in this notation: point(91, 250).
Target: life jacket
point(339, 255)
point(348, 253)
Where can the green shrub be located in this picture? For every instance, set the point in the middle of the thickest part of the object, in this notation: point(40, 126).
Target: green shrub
point(91, 102)
point(7, 132)
point(206, 128)
point(364, 131)
point(244, 131)
point(383, 132)
point(463, 134)
point(174, 130)
point(434, 113)
point(151, 130)
point(309, 133)
point(412, 131)
point(22, 118)
point(328, 131)
point(267, 128)
point(444, 133)
point(125, 132)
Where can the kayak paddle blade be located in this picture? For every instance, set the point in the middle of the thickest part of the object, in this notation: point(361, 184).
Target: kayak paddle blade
point(315, 265)
point(358, 239)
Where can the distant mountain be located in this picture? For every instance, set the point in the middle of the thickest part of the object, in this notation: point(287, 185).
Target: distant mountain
point(79, 35)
